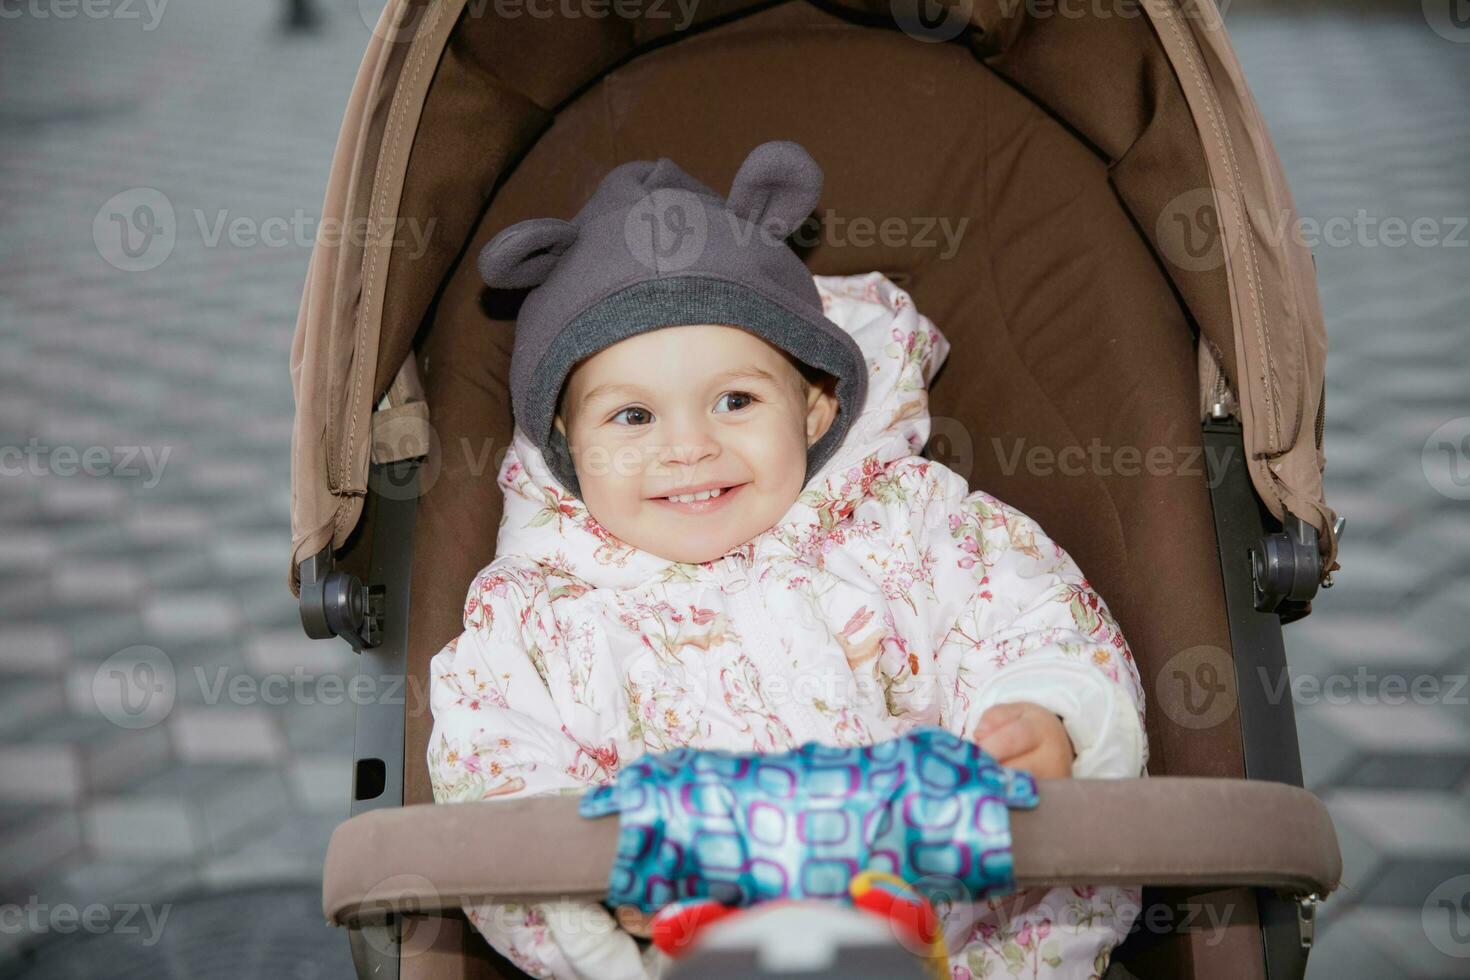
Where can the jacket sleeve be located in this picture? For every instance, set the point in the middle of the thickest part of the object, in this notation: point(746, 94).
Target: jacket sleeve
point(499, 732)
point(1016, 621)
point(498, 728)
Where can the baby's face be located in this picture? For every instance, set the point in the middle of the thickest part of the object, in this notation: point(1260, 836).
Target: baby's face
point(691, 406)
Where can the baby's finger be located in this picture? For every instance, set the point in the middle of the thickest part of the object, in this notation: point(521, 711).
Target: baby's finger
point(1010, 740)
point(995, 716)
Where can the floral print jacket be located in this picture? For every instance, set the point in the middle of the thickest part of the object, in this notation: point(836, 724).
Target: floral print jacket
point(889, 596)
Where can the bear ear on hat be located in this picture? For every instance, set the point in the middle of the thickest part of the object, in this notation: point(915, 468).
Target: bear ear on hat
point(524, 254)
point(778, 184)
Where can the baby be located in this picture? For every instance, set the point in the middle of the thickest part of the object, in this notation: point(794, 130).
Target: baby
point(718, 533)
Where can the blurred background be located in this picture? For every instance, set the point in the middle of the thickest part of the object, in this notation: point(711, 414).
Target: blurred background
point(162, 165)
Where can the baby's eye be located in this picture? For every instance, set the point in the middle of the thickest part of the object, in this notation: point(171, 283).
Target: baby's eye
point(635, 411)
point(737, 395)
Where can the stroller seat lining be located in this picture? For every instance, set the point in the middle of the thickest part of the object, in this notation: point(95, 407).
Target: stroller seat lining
point(1065, 330)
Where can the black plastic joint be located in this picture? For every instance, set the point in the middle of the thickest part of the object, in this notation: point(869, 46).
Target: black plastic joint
point(1286, 568)
point(338, 604)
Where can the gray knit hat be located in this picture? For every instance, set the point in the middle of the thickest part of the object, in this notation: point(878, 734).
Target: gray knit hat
point(655, 248)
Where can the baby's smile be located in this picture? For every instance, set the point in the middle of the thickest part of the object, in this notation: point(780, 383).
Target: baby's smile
point(706, 501)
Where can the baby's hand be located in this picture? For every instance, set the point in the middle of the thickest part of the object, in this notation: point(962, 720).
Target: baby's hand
point(1026, 736)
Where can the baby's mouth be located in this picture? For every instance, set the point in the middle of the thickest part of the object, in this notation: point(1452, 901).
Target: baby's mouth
point(695, 506)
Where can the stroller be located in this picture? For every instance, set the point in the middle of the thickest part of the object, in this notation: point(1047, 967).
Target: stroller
point(1118, 289)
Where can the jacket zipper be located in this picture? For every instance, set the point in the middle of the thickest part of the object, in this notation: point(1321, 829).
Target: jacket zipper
point(762, 648)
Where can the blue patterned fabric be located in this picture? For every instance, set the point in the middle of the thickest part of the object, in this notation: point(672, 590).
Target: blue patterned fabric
point(742, 828)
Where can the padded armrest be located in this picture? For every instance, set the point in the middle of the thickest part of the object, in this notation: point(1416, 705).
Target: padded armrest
point(1160, 830)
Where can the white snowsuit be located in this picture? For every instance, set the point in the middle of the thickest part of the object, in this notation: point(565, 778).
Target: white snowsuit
point(889, 596)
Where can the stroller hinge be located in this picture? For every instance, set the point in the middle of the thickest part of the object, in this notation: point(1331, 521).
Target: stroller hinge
point(338, 604)
point(1306, 917)
point(1286, 569)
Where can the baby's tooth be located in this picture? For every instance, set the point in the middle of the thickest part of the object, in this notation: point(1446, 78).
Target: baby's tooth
point(689, 498)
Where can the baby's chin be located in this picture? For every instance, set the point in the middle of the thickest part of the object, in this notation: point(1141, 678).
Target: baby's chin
point(687, 551)
point(686, 541)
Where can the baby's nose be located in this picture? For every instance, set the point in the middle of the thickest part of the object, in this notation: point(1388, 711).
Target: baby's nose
point(691, 444)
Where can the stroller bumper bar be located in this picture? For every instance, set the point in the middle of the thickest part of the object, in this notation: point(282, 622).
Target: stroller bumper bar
point(1182, 832)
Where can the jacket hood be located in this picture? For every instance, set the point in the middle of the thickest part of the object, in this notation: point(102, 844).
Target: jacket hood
point(546, 524)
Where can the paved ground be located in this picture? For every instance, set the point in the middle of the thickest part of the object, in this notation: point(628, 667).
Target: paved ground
point(177, 374)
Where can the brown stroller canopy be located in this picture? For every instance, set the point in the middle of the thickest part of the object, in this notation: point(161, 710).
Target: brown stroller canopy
point(1156, 94)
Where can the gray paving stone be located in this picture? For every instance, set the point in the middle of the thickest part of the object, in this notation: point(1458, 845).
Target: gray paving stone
point(1342, 641)
point(153, 829)
point(119, 762)
point(1347, 947)
point(48, 839)
point(190, 615)
point(26, 549)
point(25, 702)
point(97, 582)
point(44, 774)
point(88, 499)
point(1397, 846)
point(226, 733)
point(282, 651)
point(1409, 745)
point(323, 783)
point(246, 800)
point(31, 649)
